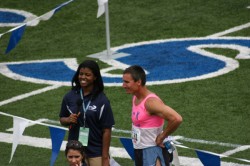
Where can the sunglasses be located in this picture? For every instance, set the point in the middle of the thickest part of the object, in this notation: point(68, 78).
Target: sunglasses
point(74, 144)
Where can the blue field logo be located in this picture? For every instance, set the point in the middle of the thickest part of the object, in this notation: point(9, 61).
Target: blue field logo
point(165, 61)
point(13, 17)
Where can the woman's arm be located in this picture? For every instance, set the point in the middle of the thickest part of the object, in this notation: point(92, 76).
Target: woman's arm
point(105, 146)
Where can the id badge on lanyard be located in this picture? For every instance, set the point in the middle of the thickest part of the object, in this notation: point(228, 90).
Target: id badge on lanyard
point(84, 132)
point(84, 136)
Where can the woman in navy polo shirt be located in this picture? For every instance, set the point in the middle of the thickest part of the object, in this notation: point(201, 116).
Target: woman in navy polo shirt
point(87, 112)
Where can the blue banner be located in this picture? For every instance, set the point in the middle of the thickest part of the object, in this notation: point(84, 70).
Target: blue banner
point(15, 37)
point(128, 145)
point(208, 159)
point(57, 136)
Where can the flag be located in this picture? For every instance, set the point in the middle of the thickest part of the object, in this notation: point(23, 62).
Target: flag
point(101, 7)
point(15, 37)
point(17, 32)
point(57, 136)
point(128, 145)
point(47, 15)
point(18, 129)
point(208, 159)
point(176, 161)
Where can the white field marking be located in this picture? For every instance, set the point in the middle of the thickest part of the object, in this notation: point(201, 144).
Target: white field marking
point(115, 65)
point(189, 139)
point(26, 95)
point(244, 52)
point(102, 56)
point(114, 151)
point(234, 29)
point(46, 143)
point(238, 149)
point(248, 7)
point(209, 142)
point(174, 138)
point(121, 131)
point(172, 40)
point(39, 120)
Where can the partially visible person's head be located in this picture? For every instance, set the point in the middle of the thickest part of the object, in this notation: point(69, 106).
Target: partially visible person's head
point(137, 73)
point(94, 68)
point(74, 153)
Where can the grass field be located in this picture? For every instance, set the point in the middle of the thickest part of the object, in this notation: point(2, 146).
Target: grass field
point(215, 111)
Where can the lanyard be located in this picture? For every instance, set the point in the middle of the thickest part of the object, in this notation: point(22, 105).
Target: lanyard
point(84, 108)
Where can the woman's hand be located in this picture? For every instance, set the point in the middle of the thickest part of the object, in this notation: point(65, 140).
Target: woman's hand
point(159, 140)
point(73, 118)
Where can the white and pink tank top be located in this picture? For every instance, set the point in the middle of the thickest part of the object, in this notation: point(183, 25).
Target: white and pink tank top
point(145, 127)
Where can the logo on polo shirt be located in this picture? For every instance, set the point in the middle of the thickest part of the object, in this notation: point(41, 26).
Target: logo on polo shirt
point(92, 108)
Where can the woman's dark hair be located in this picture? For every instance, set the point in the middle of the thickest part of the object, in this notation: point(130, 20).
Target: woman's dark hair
point(98, 83)
point(137, 73)
point(75, 145)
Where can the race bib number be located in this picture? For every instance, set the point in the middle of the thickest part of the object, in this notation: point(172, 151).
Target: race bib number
point(84, 136)
point(136, 136)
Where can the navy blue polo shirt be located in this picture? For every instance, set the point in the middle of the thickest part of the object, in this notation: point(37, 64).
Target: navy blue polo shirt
point(99, 115)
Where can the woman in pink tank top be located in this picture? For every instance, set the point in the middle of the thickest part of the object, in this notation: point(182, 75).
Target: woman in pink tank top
point(148, 116)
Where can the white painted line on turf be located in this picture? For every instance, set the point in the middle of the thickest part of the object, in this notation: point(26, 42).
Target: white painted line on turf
point(189, 139)
point(27, 140)
point(121, 131)
point(209, 142)
point(241, 148)
point(238, 149)
point(173, 137)
point(244, 53)
point(26, 95)
point(234, 29)
point(46, 143)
